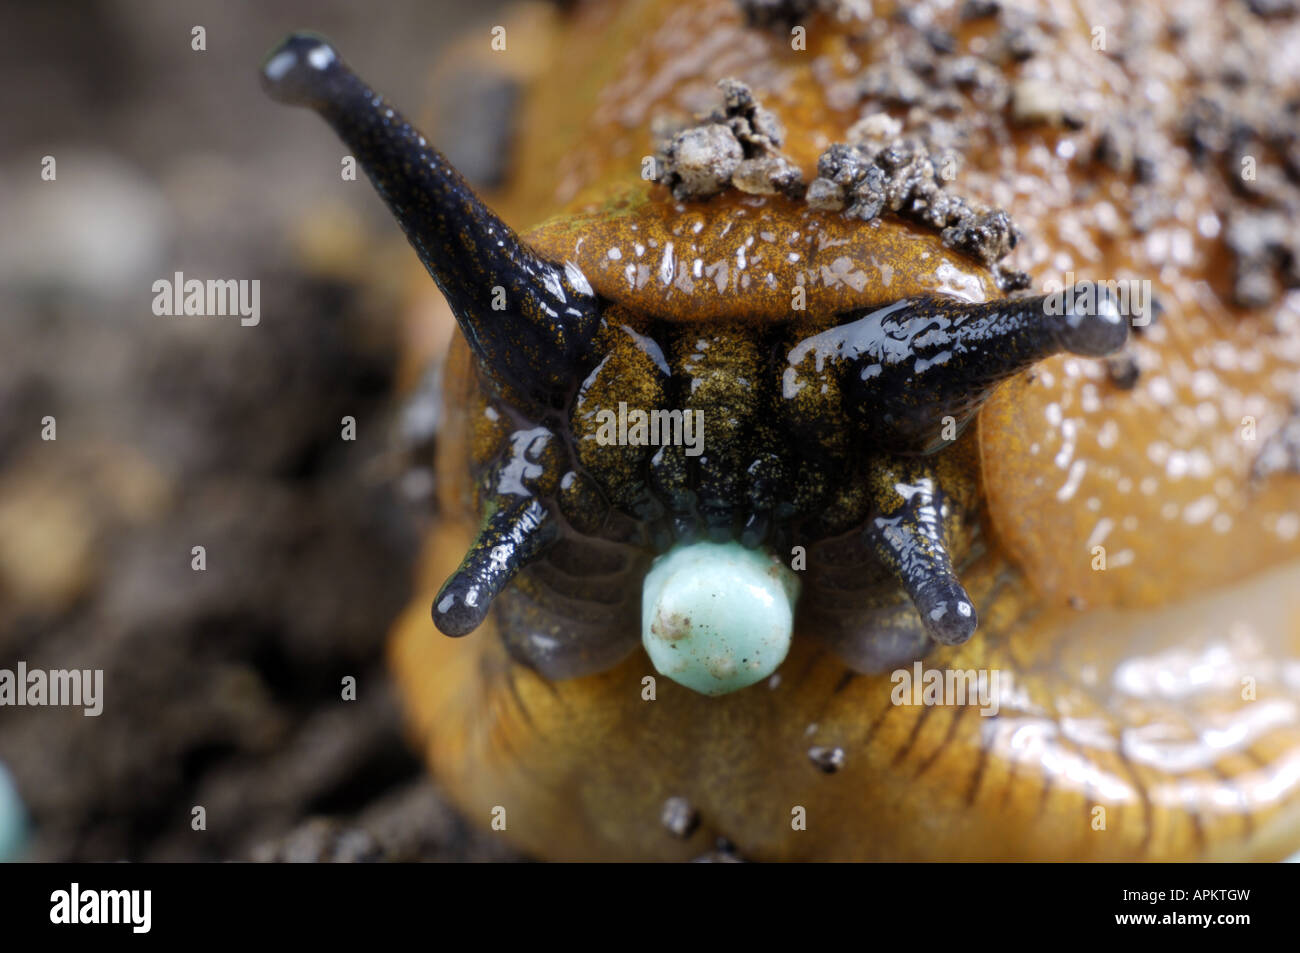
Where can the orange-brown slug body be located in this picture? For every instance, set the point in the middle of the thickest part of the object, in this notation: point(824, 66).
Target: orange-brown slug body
point(1128, 532)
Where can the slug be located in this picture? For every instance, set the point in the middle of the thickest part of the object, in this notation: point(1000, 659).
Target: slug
point(802, 493)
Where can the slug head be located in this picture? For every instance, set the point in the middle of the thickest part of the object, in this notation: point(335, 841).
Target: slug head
point(651, 379)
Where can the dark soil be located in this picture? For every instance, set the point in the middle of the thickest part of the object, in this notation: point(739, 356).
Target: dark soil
point(223, 688)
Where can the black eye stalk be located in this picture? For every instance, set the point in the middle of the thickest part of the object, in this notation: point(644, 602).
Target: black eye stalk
point(955, 355)
point(529, 321)
point(910, 365)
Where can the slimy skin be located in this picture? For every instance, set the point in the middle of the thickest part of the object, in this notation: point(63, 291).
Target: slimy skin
point(1149, 709)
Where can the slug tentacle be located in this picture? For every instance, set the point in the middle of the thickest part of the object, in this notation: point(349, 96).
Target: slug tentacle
point(516, 533)
point(529, 321)
point(907, 535)
point(918, 361)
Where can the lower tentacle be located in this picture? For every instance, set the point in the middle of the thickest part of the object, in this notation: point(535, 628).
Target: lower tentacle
point(516, 533)
point(907, 534)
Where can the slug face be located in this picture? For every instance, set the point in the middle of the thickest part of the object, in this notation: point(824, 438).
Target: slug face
point(610, 431)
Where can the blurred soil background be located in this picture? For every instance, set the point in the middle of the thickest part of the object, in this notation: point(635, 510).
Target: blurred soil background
point(222, 688)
